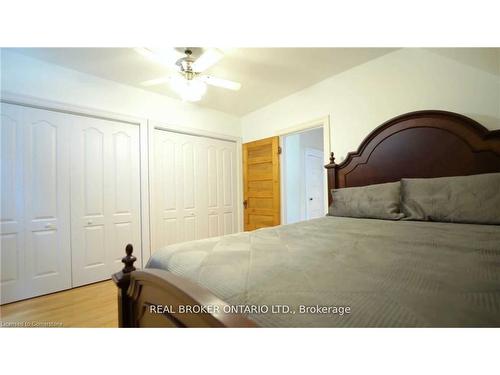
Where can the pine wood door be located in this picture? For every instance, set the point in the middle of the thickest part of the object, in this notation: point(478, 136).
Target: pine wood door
point(261, 183)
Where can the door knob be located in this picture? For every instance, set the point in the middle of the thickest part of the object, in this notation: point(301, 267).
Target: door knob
point(310, 199)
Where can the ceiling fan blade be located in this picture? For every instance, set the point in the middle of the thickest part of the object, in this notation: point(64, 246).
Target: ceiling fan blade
point(165, 56)
point(156, 81)
point(207, 59)
point(219, 82)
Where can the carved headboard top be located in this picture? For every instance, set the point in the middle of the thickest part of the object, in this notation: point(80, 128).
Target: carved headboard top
point(419, 144)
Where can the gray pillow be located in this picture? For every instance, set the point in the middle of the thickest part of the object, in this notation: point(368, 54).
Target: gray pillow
point(464, 199)
point(379, 201)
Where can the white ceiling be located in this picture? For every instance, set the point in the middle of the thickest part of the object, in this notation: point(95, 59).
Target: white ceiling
point(266, 74)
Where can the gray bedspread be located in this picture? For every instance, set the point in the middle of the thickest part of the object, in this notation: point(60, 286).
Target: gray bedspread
point(389, 273)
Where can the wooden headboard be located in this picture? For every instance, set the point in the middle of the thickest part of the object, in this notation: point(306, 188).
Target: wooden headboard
point(418, 144)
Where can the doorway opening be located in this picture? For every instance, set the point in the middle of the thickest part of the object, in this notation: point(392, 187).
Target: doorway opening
point(303, 175)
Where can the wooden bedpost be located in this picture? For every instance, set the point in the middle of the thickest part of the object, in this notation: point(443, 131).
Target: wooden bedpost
point(122, 281)
point(332, 175)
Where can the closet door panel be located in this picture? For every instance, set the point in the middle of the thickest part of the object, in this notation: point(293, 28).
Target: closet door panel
point(123, 176)
point(43, 155)
point(188, 174)
point(175, 181)
point(185, 194)
point(229, 225)
point(45, 259)
point(213, 189)
point(91, 152)
point(43, 196)
point(10, 260)
point(94, 246)
point(88, 194)
point(224, 177)
point(227, 177)
point(105, 197)
point(12, 280)
point(48, 234)
point(194, 188)
point(190, 232)
point(46, 197)
point(168, 175)
point(125, 187)
point(228, 189)
point(164, 187)
point(169, 232)
point(213, 225)
point(213, 176)
point(92, 157)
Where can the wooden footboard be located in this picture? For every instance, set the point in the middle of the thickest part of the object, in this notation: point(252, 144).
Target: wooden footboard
point(158, 298)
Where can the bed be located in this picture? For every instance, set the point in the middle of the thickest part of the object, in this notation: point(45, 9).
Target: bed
point(340, 271)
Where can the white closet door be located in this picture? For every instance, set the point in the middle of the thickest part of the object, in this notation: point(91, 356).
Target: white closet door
point(189, 185)
point(194, 188)
point(229, 188)
point(105, 197)
point(221, 187)
point(13, 283)
point(176, 180)
point(46, 201)
point(164, 191)
point(36, 253)
point(35, 246)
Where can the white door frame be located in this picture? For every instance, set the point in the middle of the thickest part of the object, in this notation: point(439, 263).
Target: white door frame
point(34, 102)
point(322, 122)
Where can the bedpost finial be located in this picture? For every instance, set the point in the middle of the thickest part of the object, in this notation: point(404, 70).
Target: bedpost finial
point(332, 158)
point(129, 249)
point(129, 259)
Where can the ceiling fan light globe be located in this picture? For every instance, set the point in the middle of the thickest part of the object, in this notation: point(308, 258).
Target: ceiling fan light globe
point(189, 90)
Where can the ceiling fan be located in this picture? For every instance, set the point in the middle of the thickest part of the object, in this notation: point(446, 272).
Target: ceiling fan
point(187, 78)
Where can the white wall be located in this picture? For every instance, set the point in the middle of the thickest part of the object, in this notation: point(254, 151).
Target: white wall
point(23, 75)
point(365, 96)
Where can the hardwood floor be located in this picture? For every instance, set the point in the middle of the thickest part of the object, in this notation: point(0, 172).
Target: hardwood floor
point(93, 305)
